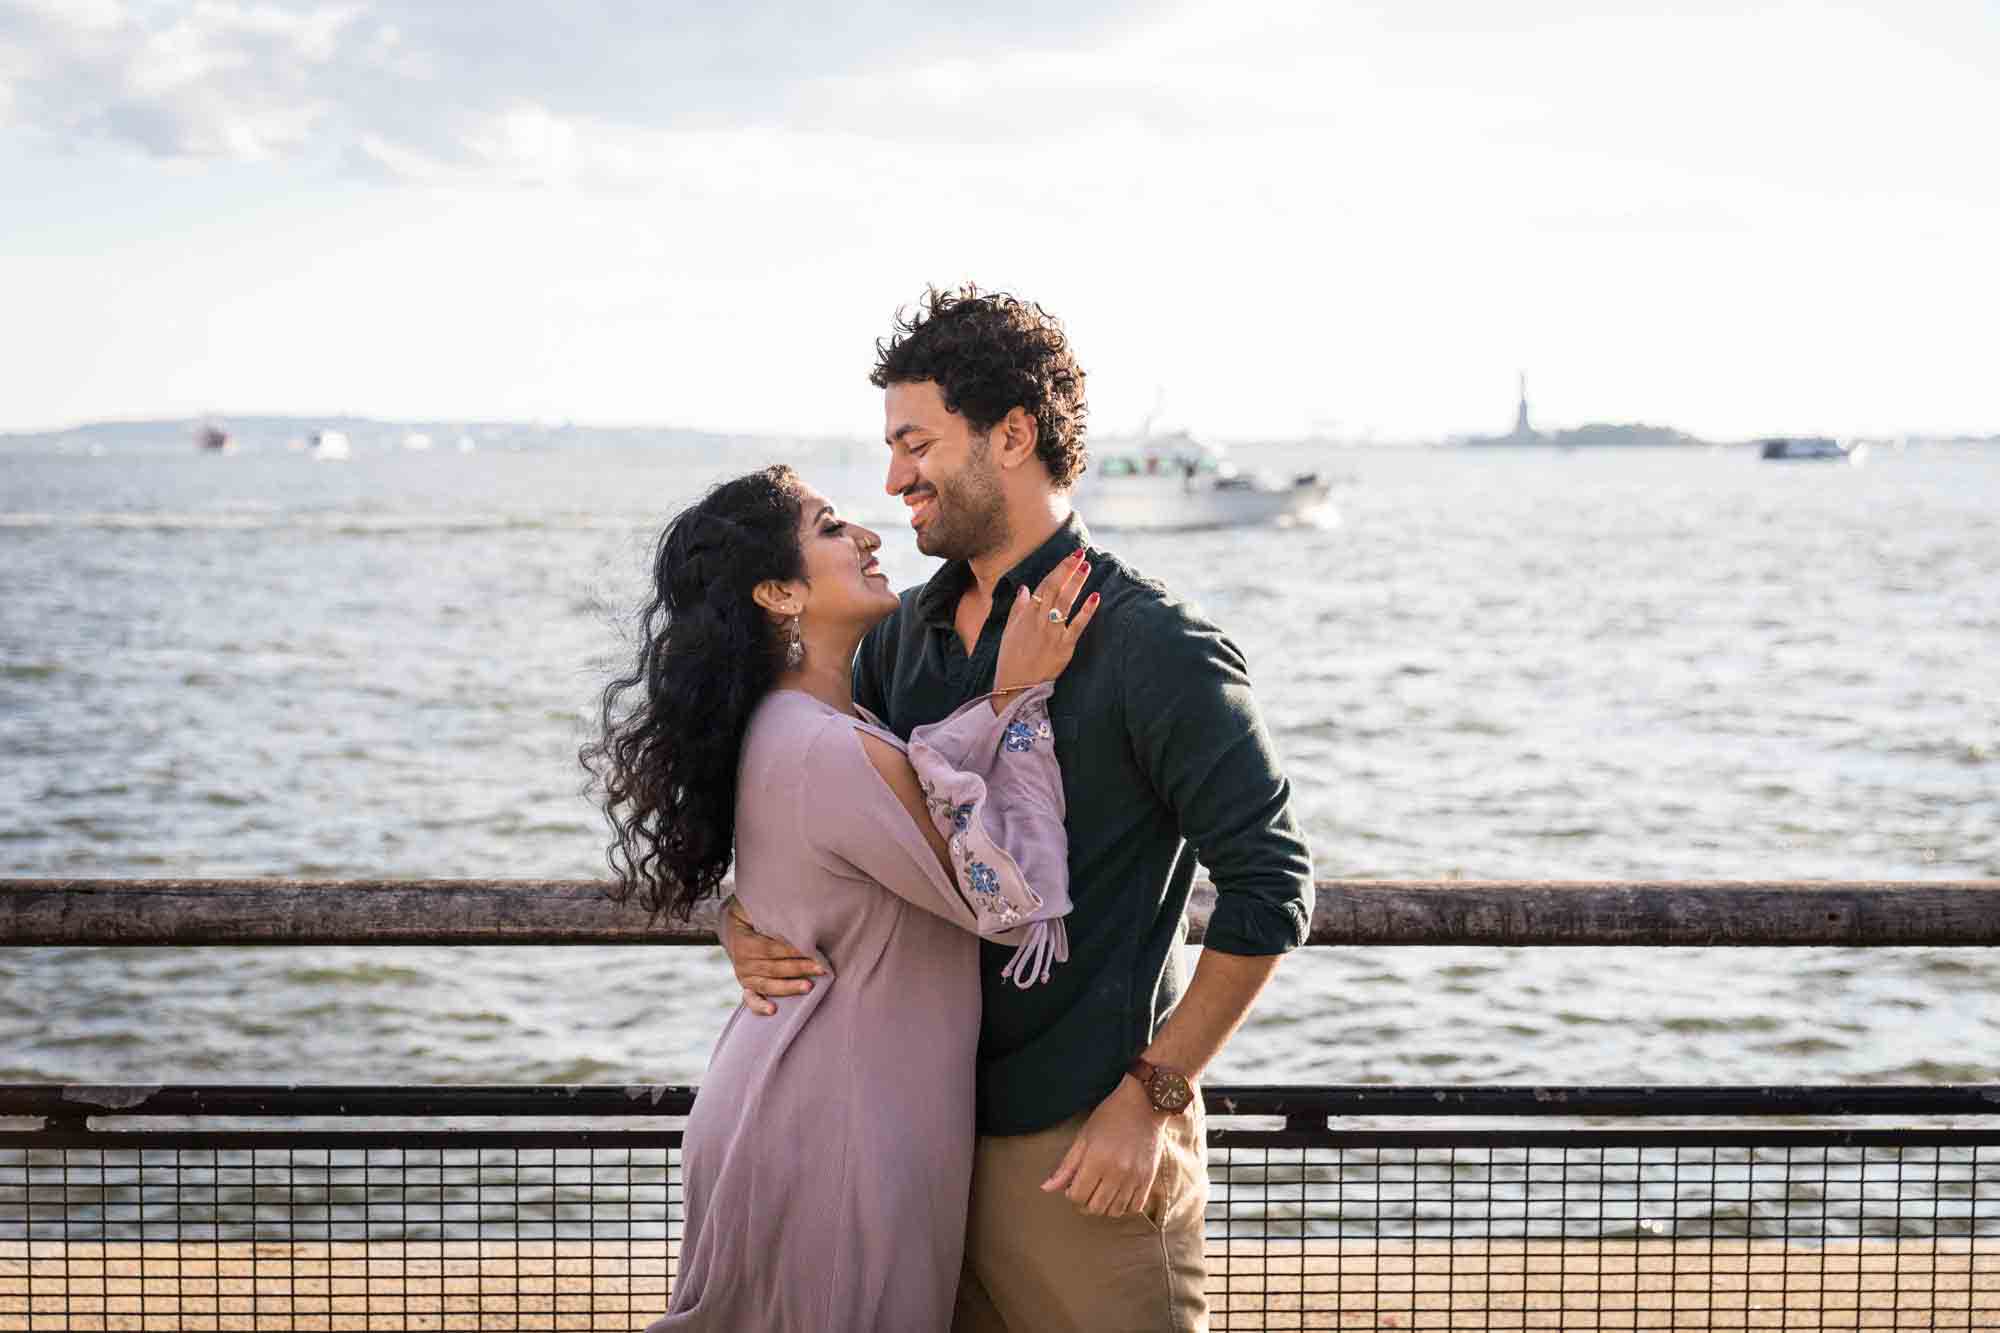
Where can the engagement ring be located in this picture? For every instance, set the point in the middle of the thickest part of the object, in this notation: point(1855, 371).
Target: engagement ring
point(1055, 616)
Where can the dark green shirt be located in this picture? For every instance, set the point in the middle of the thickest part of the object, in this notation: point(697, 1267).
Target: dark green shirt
point(1164, 760)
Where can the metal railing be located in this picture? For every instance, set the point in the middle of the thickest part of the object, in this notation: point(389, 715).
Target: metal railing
point(1371, 1206)
point(549, 1223)
point(1506, 913)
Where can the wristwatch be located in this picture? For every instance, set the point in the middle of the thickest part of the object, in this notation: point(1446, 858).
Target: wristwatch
point(1167, 1089)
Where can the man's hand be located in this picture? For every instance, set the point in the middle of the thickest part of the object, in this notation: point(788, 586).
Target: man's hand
point(765, 965)
point(1108, 1171)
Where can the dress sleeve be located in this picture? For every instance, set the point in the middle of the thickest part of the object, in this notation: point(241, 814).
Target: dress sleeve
point(995, 790)
point(858, 826)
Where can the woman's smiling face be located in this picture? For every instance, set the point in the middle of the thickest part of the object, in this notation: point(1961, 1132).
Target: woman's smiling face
point(846, 583)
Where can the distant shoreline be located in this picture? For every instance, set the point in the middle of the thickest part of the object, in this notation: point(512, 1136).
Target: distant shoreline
point(273, 433)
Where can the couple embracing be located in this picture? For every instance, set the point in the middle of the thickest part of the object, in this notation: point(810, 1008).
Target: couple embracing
point(962, 1090)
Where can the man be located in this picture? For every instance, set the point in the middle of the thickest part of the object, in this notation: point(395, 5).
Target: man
point(1089, 1183)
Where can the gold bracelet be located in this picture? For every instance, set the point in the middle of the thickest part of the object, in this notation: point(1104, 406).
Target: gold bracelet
point(1011, 689)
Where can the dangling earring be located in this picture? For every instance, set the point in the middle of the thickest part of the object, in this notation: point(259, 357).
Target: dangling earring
point(795, 648)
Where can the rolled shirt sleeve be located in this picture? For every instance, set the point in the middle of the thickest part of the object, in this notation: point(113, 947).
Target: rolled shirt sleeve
point(1197, 734)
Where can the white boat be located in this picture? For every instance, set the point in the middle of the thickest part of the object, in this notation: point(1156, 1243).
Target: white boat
point(1809, 449)
point(330, 446)
point(1172, 481)
point(417, 441)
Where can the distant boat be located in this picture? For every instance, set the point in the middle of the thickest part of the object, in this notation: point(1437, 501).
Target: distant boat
point(213, 439)
point(330, 446)
point(417, 441)
point(1175, 482)
point(1808, 449)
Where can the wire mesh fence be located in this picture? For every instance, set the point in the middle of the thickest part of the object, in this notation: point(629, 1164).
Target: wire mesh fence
point(1309, 1227)
point(199, 1221)
point(574, 1232)
point(1660, 1231)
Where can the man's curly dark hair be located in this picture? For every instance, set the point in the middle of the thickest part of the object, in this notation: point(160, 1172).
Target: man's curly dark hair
point(991, 353)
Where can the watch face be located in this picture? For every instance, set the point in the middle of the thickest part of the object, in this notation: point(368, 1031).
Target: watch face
point(1170, 1091)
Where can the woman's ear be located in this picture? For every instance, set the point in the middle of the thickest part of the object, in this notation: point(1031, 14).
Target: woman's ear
point(778, 598)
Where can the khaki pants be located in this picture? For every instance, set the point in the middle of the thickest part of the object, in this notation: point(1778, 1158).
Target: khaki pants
point(1034, 1264)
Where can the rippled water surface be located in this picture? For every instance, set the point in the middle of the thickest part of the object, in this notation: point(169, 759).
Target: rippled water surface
point(1597, 664)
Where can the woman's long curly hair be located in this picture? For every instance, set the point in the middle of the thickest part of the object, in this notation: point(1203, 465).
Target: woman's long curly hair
point(672, 728)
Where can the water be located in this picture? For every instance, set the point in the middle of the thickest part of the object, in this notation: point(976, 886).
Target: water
point(1595, 664)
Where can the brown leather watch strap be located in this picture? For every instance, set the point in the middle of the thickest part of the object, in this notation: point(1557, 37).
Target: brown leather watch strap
point(1167, 1088)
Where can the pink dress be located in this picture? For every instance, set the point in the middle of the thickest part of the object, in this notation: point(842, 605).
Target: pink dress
point(828, 1158)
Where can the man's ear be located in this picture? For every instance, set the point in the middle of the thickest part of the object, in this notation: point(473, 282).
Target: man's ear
point(1018, 434)
point(780, 599)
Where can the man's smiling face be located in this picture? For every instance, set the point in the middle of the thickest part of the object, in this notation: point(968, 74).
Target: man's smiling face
point(943, 470)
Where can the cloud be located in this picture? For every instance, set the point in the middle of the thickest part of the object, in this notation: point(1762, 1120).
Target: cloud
point(615, 94)
point(217, 79)
point(519, 88)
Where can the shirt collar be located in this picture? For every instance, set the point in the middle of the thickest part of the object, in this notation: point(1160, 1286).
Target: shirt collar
point(937, 604)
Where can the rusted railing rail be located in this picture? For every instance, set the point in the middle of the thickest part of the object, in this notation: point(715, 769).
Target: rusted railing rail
point(1456, 1208)
point(1642, 913)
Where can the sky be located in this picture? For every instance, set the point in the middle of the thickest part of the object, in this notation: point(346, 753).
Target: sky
point(1257, 219)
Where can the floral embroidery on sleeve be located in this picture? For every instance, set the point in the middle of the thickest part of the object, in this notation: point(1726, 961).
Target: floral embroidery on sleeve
point(989, 893)
point(1021, 735)
point(988, 899)
point(955, 761)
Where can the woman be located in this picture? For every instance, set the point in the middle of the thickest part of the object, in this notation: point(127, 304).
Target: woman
point(827, 1161)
